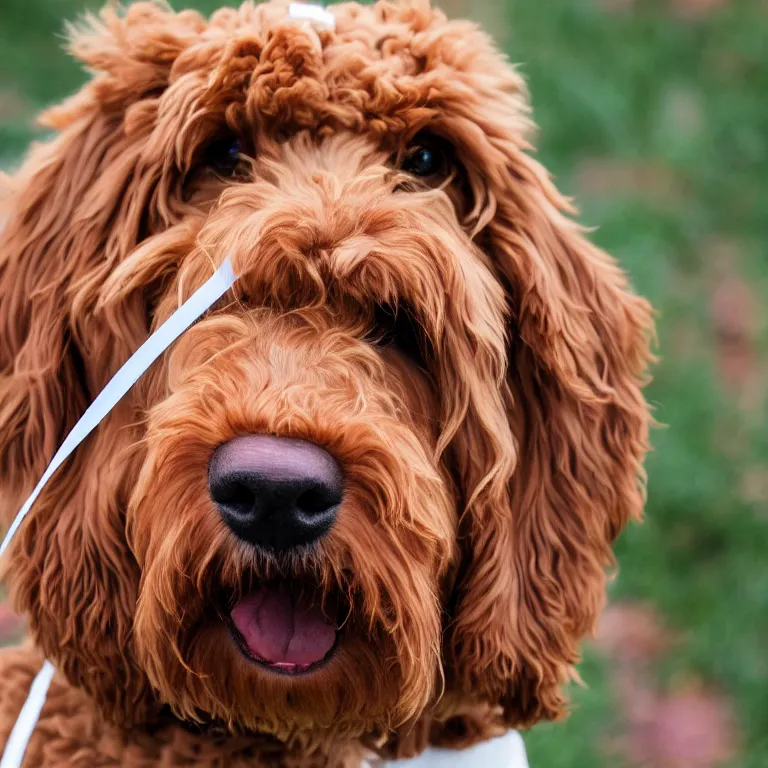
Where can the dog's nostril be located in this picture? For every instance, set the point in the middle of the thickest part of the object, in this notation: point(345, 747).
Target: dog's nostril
point(274, 492)
point(235, 495)
point(316, 501)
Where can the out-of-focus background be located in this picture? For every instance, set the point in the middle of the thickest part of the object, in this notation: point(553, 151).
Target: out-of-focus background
point(654, 116)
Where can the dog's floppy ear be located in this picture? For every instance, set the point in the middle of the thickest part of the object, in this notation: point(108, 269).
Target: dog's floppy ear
point(68, 217)
point(56, 243)
point(538, 538)
point(69, 569)
point(42, 389)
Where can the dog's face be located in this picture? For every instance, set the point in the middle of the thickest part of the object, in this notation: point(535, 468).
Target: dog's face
point(391, 461)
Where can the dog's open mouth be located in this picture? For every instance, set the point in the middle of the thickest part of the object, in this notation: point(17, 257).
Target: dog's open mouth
point(285, 627)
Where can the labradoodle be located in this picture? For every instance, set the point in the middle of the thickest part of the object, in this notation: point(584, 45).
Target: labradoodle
point(366, 503)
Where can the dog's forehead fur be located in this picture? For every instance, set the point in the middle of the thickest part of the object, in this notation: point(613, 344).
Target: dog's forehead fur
point(384, 69)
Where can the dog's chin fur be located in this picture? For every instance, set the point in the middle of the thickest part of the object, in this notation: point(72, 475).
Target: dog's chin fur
point(471, 361)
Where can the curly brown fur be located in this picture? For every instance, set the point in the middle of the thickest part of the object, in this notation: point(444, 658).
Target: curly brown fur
point(487, 473)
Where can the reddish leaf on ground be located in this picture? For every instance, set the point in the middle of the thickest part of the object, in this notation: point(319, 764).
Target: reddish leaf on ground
point(630, 632)
point(753, 487)
point(650, 181)
point(693, 9)
point(619, 6)
point(13, 106)
point(732, 315)
point(687, 727)
point(737, 319)
point(11, 625)
point(689, 730)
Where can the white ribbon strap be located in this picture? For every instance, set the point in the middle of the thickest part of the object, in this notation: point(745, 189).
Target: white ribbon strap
point(128, 375)
point(17, 742)
point(507, 751)
point(308, 12)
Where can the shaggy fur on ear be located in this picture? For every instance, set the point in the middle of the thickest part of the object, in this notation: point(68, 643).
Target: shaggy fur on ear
point(570, 473)
point(453, 339)
point(71, 569)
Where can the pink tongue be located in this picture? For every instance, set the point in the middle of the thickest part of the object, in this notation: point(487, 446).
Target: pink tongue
point(283, 630)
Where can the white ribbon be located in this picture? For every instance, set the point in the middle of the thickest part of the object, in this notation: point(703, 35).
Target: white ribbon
point(127, 376)
point(307, 12)
point(17, 742)
point(200, 301)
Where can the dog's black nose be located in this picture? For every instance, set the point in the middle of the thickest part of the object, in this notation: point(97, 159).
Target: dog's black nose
point(275, 492)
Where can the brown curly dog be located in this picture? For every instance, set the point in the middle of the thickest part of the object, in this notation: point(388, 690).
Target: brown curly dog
point(365, 504)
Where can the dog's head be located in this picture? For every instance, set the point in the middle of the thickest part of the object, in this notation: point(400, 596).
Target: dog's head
point(392, 460)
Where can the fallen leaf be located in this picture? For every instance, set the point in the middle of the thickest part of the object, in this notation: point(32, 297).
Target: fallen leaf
point(695, 9)
point(13, 105)
point(650, 180)
point(683, 730)
point(689, 726)
point(737, 320)
point(11, 625)
point(632, 632)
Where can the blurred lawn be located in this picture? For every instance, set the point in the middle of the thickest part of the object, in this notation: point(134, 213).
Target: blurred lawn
point(654, 116)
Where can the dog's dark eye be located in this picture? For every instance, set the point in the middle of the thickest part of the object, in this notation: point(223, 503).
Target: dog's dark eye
point(426, 162)
point(224, 156)
point(430, 160)
point(397, 328)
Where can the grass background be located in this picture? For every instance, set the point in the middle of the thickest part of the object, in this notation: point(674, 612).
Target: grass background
point(653, 114)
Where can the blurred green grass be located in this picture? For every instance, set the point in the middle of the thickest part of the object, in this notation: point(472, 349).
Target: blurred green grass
point(656, 121)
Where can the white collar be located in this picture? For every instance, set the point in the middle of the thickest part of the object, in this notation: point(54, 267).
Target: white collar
point(507, 751)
